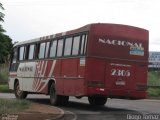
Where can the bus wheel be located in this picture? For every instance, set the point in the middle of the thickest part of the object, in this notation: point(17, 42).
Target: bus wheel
point(57, 99)
point(97, 100)
point(53, 95)
point(19, 93)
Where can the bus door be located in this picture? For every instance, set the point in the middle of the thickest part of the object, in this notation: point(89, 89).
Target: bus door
point(28, 71)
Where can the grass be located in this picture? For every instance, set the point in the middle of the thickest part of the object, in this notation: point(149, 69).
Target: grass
point(13, 105)
point(154, 78)
point(153, 92)
point(3, 76)
point(4, 88)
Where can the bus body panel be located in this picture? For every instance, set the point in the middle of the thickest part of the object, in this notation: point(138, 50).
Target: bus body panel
point(117, 61)
point(70, 79)
point(114, 41)
point(33, 76)
point(120, 78)
point(114, 64)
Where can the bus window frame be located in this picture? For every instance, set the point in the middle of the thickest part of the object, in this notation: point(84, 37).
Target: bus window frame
point(79, 50)
point(63, 38)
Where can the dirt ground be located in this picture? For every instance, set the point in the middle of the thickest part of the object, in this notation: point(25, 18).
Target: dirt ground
point(36, 112)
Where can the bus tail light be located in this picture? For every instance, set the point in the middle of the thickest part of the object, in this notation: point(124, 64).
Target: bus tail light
point(100, 89)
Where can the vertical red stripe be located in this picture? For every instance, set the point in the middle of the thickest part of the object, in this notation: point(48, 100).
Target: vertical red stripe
point(43, 69)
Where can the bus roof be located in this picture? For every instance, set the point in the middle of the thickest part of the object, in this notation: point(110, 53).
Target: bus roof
point(78, 30)
point(52, 36)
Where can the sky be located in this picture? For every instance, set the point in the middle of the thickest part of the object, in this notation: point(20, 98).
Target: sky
point(28, 19)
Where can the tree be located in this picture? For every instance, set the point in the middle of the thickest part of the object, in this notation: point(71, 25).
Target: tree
point(5, 48)
point(5, 41)
point(1, 14)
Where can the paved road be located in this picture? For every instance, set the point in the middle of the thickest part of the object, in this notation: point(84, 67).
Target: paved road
point(115, 109)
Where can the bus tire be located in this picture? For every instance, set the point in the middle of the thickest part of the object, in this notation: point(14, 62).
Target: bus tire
point(53, 95)
point(97, 100)
point(57, 99)
point(19, 93)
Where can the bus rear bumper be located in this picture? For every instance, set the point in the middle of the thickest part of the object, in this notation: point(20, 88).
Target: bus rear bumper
point(117, 93)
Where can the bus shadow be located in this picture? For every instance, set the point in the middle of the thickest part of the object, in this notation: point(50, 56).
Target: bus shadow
point(40, 100)
point(73, 105)
point(88, 107)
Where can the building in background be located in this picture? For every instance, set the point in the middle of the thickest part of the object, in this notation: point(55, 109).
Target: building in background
point(154, 60)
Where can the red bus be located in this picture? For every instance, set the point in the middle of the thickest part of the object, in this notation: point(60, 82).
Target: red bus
point(99, 61)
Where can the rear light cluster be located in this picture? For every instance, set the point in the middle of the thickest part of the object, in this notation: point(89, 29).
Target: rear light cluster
point(95, 84)
point(141, 87)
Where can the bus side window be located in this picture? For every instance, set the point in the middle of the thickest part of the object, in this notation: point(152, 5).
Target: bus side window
point(53, 48)
point(68, 46)
point(76, 43)
point(83, 44)
point(31, 52)
point(36, 51)
point(14, 57)
point(14, 63)
point(41, 50)
point(21, 53)
point(60, 48)
point(26, 52)
point(47, 49)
